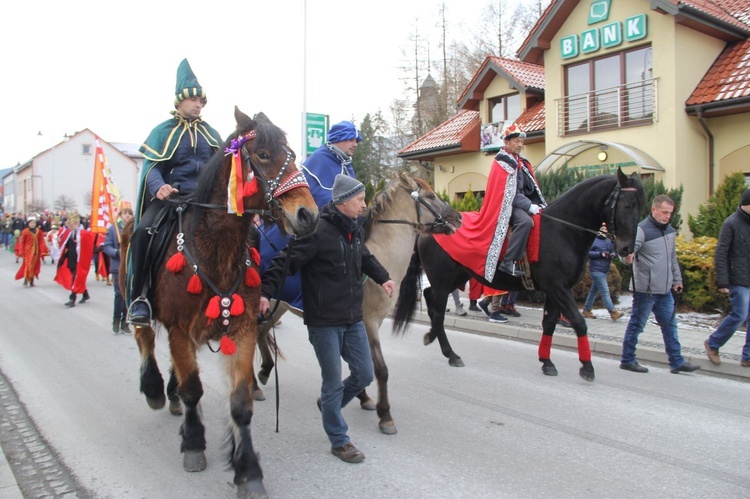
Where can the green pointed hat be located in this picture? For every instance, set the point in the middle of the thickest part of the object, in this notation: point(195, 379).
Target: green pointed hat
point(187, 84)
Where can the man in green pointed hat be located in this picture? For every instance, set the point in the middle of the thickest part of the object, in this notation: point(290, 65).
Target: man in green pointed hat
point(174, 153)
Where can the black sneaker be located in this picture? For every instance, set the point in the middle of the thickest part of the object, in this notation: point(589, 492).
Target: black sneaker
point(634, 367)
point(687, 367)
point(497, 317)
point(564, 322)
point(139, 314)
point(510, 310)
point(485, 306)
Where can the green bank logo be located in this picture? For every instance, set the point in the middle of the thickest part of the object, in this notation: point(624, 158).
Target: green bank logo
point(599, 11)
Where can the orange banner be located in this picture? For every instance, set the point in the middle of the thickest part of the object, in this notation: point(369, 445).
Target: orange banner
point(105, 196)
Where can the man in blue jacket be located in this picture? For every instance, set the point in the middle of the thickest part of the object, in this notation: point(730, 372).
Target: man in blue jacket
point(600, 254)
point(331, 262)
point(732, 260)
point(656, 274)
point(111, 247)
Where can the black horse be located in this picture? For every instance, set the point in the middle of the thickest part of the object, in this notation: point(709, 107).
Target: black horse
point(569, 226)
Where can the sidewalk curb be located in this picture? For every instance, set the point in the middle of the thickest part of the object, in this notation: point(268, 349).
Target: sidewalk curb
point(565, 338)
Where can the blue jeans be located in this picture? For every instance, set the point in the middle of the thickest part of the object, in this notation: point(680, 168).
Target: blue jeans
point(332, 343)
point(599, 284)
point(663, 308)
point(739, 297)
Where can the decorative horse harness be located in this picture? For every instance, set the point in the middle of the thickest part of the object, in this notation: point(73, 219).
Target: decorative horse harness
point(227, 304)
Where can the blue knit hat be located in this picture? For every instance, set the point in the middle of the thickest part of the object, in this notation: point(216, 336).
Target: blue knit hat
point(343, 131)
point(187, 84)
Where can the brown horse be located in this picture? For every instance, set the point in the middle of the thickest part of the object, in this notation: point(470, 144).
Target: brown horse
point(215, 298)
point(406, 208)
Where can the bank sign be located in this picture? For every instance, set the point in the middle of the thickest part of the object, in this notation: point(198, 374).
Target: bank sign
point(606, 36)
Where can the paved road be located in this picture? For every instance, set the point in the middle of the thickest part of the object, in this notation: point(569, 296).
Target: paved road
point(496, 428)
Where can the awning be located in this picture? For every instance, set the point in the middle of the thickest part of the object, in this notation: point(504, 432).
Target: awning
point(565, 152)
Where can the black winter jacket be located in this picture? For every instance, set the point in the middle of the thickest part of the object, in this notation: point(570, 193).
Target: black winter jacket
point(331, 262)
point(732, 257)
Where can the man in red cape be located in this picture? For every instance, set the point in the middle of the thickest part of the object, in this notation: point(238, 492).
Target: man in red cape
point(511, 197)
point(32, 248)
point(76, 253)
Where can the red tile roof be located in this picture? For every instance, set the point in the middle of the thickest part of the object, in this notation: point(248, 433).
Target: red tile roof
point(532, 120)
point(735, 12)
point(728, 78)
point(458, 134)
point(524, 76)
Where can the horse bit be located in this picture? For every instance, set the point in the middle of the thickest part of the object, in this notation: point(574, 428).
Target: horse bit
point(439, 221)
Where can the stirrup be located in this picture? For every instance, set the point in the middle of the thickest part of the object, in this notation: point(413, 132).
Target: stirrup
point(139, 320)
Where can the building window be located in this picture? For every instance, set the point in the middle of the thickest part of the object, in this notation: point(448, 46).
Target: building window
point(86, 148)
point(608, 92)
point(505, 108)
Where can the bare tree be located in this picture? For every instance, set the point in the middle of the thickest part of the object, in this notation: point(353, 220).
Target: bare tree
point(37, 207)
point(64, 203)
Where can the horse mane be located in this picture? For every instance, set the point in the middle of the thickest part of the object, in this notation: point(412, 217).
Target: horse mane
point(600, 180)
point(382, 201)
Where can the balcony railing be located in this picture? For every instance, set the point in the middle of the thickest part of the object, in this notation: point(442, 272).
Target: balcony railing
point(630, 104)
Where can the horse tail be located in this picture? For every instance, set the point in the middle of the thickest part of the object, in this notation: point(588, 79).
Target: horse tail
point(406, 305)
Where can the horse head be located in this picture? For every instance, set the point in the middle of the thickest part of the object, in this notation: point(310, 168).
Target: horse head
point(268, 160)
point(624, 207)
point(434, 215)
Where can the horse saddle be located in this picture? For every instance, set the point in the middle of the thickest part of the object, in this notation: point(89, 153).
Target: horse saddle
point(160, 234)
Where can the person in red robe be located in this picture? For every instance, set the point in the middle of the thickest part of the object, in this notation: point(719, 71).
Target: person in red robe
point(32, 248)
point(76, 253)
point(512, 197)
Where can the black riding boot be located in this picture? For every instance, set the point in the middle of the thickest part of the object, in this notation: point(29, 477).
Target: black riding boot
point(116, 325)
point(85, 298)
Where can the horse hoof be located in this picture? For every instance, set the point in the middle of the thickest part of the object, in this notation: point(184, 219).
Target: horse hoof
point(428, 339)
point(456, 362)
point(549, 369)
point(587, 372)
point(262, 377)
point(175, 407)
point(156, 403)
point(368, 405)
point(259, 395)
point(194, 460)
point(252, 490)
point(387, 427)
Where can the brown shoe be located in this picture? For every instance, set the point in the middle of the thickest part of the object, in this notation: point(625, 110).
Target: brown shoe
point(615, 314)
point(712, 353)
point(745, 363)
point(348, 453)
point(587, 314)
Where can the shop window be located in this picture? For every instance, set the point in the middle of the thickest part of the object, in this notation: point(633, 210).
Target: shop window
point(608, 92)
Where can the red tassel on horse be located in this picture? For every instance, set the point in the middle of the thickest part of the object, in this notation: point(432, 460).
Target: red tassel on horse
point(195, 286)
point(238, 305)
point(255, 256)
point(252, 278)
point(250, 188)
point(176, 263)
point(213, 309)
point(227, 346)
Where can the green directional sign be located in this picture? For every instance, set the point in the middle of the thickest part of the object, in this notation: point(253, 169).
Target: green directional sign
point(315, 131)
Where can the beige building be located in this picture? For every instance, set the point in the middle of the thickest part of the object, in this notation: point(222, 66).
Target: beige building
point(661, 87)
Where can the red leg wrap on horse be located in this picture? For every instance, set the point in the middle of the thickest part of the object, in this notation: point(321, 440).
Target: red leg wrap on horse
point(584, 349)
point(545, 346)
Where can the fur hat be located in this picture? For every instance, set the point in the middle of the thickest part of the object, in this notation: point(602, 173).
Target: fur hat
point(345, 188)
point(745, 199)
point(187, 84)
point(512, 132)
point(343, 131)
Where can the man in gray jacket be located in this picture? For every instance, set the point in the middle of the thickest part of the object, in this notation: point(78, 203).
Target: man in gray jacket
point(657, 274)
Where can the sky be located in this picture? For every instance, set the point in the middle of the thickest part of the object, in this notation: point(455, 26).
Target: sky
point(111, 66)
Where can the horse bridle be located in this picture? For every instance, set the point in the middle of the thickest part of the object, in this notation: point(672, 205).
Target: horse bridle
point(439, 222)
point(273, 189)
point(611, 203)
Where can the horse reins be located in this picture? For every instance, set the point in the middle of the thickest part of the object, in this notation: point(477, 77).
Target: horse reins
point(440, 220)
point(610, 203)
